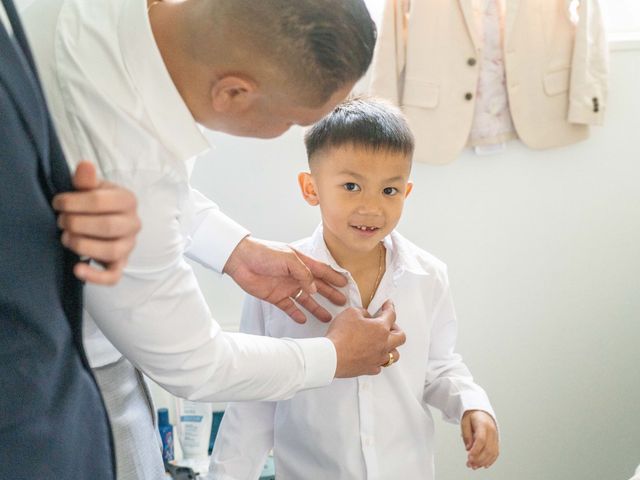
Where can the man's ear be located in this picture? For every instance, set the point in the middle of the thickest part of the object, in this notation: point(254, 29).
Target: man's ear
point(409, 188)
point(308, 188)
point(233, 93)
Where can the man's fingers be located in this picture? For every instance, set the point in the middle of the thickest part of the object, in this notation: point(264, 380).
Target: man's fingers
point(288, 306)
point(105, 251)
point(330, 293)
point(108, 275)
point(313, 307)
point(387, 314)
point(102, 226)
point(395, 328)
point(396, 338)
point(99, 201)
point(299, 271)
point(85, 177)
point(322, 271)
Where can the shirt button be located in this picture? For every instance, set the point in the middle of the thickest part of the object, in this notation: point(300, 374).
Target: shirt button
point(468, 96)
point(471, 62)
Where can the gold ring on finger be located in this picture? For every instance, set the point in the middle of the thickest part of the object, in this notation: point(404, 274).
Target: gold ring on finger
point(391, 360)
point(297, 295)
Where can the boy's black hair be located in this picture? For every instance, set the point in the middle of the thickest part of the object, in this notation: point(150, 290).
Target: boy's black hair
point(365, 122)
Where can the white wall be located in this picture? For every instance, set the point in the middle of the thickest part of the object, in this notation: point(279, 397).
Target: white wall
point(542, 249)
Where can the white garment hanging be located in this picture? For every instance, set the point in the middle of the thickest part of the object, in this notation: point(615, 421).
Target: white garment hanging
point(428, 56)
point(492, 124)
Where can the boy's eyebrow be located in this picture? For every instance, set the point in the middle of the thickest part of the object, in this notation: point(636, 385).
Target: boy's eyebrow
point(352, 173)
point(397, 178)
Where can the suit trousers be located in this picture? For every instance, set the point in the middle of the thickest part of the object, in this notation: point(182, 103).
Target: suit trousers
point(133, 421)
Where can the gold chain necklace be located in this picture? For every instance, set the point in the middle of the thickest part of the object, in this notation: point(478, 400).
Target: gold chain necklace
point(379, 277)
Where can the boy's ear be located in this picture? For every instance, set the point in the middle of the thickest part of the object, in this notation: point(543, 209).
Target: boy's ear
point(409, 188)
point(233, 93)
point(308, 189)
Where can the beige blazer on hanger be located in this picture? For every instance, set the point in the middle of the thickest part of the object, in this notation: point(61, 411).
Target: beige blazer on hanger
point(427, 61)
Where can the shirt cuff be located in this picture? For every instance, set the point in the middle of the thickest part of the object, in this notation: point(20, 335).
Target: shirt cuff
point(320, 361)
point(214, 240)
point(477, 401)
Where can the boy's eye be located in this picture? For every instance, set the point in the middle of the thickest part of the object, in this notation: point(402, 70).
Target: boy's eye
point(390, 191)
point(351, 187)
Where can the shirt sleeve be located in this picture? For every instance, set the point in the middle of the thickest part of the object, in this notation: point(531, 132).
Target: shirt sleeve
point(158, 318)
point(215, 235)
point(246, 433)
point(449, 385)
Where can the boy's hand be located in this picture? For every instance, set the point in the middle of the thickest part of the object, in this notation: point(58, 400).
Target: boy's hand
point(277, 274)
point(99, 221)
point(480, 437)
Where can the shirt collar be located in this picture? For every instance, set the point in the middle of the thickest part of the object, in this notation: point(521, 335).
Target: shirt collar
point(174, 124)
point(402, 256)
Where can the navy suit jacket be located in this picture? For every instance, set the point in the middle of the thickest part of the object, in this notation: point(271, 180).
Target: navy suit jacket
point(53, 424)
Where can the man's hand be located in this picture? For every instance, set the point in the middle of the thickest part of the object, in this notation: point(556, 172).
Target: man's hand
point(363, 343)
point(275, 273)
point(480, 437)
point(99, 221)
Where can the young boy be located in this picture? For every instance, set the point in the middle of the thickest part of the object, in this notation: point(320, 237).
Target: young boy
point(367, 427)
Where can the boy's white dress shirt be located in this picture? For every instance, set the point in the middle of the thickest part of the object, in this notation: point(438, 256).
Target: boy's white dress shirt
point(370, 427)
point(114, 103)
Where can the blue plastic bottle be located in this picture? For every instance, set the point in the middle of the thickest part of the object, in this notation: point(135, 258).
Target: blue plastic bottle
point(215, 425)
point(166, 433)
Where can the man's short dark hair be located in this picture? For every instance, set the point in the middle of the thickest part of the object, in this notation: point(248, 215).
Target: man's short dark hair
point(364, 122)
point(322, 45)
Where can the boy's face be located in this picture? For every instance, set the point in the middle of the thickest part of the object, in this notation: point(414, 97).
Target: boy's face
point(360, 191)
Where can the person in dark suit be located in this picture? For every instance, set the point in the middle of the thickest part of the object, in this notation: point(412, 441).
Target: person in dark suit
point(53, 424)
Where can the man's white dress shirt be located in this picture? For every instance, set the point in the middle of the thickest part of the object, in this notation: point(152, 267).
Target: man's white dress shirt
point(114, 103)
point(370, 427)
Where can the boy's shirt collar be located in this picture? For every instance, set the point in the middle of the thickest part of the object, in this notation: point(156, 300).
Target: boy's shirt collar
point(402, 256)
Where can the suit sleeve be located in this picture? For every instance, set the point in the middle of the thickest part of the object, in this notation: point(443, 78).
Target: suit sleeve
point(246, 433)
point(449, 385)
point(390, 54)
point(590, 67)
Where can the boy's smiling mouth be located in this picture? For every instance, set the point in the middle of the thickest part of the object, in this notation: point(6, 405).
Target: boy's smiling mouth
point(365, 229)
